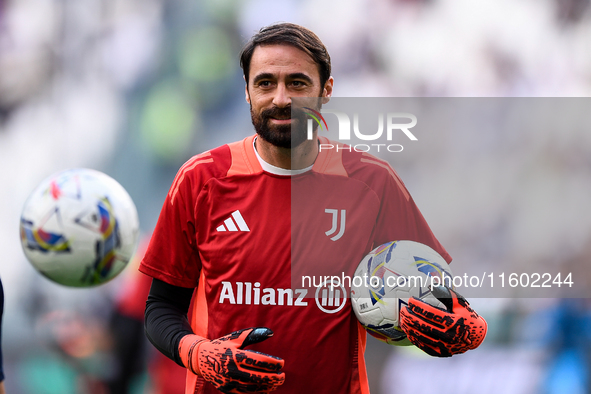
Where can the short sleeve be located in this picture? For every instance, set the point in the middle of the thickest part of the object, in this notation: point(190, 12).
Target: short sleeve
point(172, 254)
point(400, 218)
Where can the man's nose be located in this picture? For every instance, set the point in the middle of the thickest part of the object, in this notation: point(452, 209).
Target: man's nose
point(281, 99)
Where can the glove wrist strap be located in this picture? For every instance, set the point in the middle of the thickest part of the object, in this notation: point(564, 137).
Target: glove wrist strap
point(188, 350)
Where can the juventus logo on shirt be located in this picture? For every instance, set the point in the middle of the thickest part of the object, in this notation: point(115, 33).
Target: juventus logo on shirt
point(335, 223)
point(234, 223)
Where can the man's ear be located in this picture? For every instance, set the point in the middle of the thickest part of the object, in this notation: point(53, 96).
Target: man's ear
point(246, 95)
point(327, 91)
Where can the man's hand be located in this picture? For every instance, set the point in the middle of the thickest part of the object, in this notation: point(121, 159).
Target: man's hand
point(439, 332)
point(225, 364)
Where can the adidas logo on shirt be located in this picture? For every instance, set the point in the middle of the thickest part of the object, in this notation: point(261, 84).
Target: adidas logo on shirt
point(237, 224)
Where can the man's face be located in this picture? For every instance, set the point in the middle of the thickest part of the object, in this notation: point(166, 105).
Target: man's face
point(278, 73)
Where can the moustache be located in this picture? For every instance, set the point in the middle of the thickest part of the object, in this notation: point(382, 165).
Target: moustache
point(283, 113)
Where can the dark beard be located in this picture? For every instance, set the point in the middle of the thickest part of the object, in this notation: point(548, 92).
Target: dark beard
point(283, 136)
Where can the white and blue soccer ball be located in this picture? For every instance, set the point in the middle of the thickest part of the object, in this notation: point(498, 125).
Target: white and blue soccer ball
point(385, 280)
point(79, 228)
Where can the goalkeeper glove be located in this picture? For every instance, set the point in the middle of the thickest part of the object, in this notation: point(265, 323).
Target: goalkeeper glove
point(225, 364)
point(443, 332)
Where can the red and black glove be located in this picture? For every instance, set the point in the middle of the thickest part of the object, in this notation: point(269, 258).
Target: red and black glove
point(225, 364)
point(439, 332)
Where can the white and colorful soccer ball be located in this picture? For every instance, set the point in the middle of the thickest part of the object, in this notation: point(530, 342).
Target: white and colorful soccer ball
point(79, 228)
point(385, 280)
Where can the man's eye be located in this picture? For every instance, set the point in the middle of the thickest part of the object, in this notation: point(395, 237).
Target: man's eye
point(265, 84)
point(298, 84)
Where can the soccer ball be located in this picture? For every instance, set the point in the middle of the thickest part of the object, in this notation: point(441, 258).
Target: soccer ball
point(79, 228)
point(387, 277)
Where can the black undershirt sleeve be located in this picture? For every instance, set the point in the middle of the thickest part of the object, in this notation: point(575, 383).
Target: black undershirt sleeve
point(165, 319)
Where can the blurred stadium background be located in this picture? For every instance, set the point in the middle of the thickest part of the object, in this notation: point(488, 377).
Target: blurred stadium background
point(134, 88)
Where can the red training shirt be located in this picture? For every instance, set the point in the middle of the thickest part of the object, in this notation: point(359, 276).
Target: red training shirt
point(246, 238)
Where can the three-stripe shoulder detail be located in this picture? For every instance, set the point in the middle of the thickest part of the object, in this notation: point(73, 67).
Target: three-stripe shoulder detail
point(367, 158)
point(202, 158)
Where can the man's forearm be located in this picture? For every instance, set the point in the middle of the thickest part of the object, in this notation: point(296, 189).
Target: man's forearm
point(165, 318)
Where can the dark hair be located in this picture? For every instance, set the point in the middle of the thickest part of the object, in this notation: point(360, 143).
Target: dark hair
point(288, 34)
